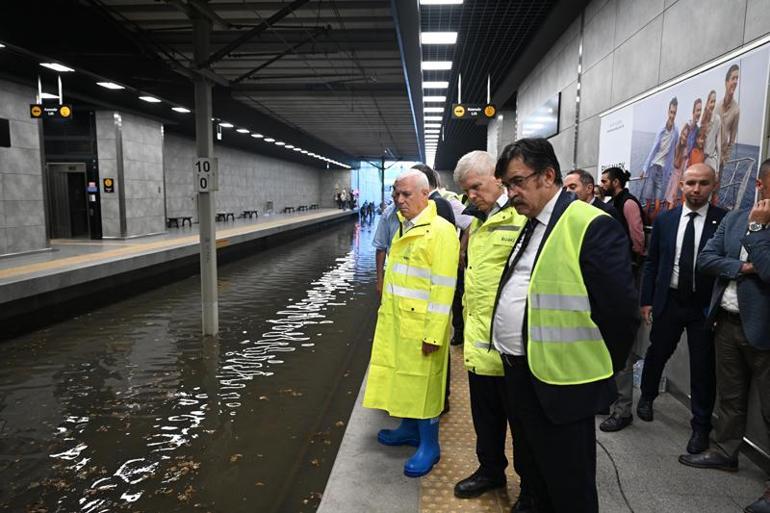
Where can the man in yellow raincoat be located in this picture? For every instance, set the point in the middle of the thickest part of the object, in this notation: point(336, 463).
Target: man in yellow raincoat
point(407, 370)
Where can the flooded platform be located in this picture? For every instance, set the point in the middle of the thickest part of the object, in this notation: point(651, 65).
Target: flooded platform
point(78, 268)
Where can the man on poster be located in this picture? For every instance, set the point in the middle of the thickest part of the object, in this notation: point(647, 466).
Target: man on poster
point(729, 112)
point(657, 167)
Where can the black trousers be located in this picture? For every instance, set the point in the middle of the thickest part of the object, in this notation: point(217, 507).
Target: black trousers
point(490, 421)
point(667, 329)
point(457, 303)
point(558, 461)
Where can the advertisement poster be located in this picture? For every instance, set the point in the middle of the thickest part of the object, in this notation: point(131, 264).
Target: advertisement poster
point(716, 117)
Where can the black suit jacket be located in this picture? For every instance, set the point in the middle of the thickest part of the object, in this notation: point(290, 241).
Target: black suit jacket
point(606, 267)
point(659, 264)
point(443, 207)
point(606, 207)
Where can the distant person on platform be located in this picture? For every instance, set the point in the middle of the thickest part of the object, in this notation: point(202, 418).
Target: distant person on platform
point(581, 183)
point(494, 230)
point(408, 367)
point(675, 298)
point(564, 320)
point(656, 169)
point(739, 258)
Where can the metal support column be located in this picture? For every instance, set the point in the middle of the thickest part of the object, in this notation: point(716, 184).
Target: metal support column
point(206, 202)
point(382, 178)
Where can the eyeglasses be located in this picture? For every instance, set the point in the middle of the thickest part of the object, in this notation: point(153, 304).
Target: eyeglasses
point(518, 181)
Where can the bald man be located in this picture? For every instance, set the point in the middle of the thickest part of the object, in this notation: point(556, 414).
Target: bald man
point(674, 297)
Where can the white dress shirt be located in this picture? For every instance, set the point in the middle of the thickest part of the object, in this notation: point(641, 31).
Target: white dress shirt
point(408, 224)
point(730, 295)
point(699, 222)
point(500, 204)
point(511, 308)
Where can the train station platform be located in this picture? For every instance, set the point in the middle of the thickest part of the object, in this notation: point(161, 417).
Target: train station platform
point(73, 268)
point(637, 468)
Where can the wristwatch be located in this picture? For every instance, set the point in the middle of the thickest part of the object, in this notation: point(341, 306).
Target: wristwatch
point(755, 227)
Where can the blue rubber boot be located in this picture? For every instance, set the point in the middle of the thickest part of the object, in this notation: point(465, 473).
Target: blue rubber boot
point(405, 434)
point(428, 453)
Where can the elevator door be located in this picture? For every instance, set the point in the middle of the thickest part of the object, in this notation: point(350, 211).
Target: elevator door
point(69, 205)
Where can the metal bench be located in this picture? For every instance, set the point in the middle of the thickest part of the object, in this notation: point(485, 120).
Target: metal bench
point(287, 210)
point(314, 206)
point(174, 221)
point(224, 216)
point(250, 214)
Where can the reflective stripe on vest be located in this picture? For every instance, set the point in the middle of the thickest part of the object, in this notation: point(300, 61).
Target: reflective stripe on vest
point(417, 272)
point(565, 347)
point(408, 293)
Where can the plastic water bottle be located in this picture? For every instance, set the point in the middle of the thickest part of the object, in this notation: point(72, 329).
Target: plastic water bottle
point(638, 368)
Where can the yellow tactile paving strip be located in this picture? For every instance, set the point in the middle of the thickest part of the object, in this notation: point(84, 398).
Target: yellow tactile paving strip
point(137, 248)
point(458, 457)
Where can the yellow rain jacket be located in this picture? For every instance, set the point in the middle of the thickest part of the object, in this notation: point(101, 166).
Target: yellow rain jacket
point(489, 246)
point(416, 307)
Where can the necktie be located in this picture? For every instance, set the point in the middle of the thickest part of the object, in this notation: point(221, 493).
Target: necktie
point(526, 235)
point(687, 258)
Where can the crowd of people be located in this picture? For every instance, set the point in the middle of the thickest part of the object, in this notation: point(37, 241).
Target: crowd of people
point(543, 277)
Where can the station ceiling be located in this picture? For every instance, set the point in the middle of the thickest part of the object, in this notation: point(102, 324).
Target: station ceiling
point(338, 74)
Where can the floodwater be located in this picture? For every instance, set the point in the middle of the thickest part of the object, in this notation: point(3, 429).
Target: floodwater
point(129, 408)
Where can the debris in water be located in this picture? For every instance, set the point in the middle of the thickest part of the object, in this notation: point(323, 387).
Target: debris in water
point(235, 457)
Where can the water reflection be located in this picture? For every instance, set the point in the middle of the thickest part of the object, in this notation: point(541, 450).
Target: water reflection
point(127, 393)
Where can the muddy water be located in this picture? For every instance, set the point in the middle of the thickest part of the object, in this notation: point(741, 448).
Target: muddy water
point(128, 408)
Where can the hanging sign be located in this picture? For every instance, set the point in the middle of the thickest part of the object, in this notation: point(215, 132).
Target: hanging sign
point(37, 110)
point(473, 111)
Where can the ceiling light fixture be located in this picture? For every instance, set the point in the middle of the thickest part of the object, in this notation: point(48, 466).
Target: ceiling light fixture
point(436, 65)
point(225, 124)
point(257, 136)
point(438, 38)
point(242, 131)
point(434, 109)
point(280, 143)
point(432, 125)
point(269, 139)
point(48, 96)
point(149, 99)
point(433, 118)
point(180, 109)
point(427, 99)
point(110, 85)
point(56, 67)
point(441, 2)
point(435, 85)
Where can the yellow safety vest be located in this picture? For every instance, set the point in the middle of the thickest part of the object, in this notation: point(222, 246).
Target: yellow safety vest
point(416, 307)
point(489, 245)
point(565, 346)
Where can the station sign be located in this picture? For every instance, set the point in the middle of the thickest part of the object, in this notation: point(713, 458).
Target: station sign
point(206, 174)
point(37, 110)
point(473, 111)
point(109, 185)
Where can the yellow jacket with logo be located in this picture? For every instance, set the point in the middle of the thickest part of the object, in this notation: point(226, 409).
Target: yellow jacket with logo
point(489, 245)
point(416, 307)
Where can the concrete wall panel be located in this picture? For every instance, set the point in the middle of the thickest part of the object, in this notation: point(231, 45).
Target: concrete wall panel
point(635, 68)
point(564, 146)
point(596, 88)
point(599, 34)
point(757, 19)
point(633, 15)
point(588, 142)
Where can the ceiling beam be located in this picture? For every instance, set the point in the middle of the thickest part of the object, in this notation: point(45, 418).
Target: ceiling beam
point(335, 89)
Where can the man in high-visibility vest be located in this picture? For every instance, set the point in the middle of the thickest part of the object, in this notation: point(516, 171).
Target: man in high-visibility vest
point(408, 366)
point(491, 236)
point(565, 315)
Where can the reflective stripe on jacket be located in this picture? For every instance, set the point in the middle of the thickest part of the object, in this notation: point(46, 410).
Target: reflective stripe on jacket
point(416, 307)
point(489, 245)
point(565, 346)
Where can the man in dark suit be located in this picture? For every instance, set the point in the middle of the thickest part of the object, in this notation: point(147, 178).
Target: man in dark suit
point(674, 298)
point(553, 385)
point(739, 257)
point(443, 207)
point(580, 182)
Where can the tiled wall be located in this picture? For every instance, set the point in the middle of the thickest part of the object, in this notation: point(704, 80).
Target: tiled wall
point(247, 181)
point(141, 154)
point(22, 217)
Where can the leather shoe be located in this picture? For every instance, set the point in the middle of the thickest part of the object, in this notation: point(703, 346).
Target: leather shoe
point(476, 484)
point(761, 505)
point(615, 423)
point(524, 504)
point(644, 409)
point(699, 442)
point(710, 459)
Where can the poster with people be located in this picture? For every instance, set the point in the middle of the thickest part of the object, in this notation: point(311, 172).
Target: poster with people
point(716, 117)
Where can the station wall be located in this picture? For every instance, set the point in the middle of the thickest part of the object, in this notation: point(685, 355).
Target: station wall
point(247, 181)
point(22, 207)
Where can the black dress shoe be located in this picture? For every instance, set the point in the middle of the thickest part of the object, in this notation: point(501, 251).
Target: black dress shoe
point(710, 459)
point(699, 442)
point(615, 423)
point(524, 504)
point(644, 409)
point(476, 484)
point(761, 505)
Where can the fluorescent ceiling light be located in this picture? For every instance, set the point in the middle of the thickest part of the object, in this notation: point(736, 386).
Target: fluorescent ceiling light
point(269, 139)
point(257, 136)
point(438, 38)
point(48, 96)
point(225, 124)
point(433, 109)
point(149, 99)
point(435, 85)
point(433, 131)
point(441, 2)
point(180, 109)
point(280, 143)
point(436, 65)
point(110, 85)
point(242, 131)
point(56, 67)
point(433, 118)
point(432, 125)
point(289, 146)
point(297, 149)
point(2, 45)
point(427, 99)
